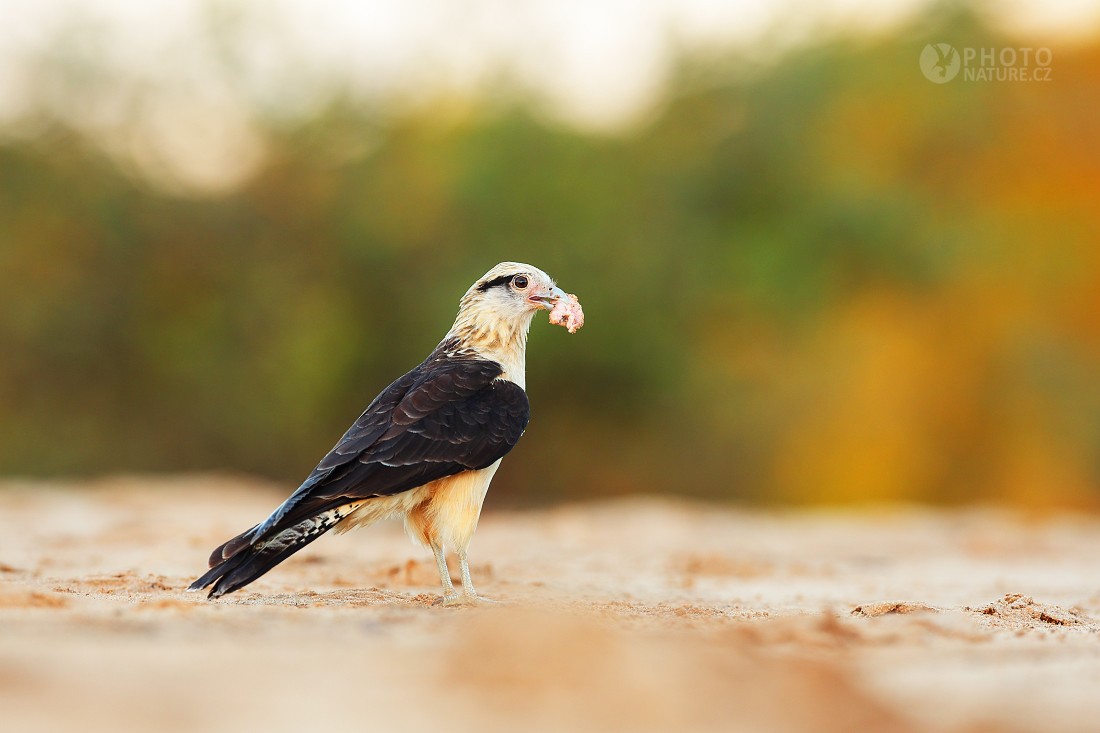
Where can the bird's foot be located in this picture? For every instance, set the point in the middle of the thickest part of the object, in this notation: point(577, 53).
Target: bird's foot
point(467, 599)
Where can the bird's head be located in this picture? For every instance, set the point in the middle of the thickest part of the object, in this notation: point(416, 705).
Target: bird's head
point(500, 305)
point(513, 290)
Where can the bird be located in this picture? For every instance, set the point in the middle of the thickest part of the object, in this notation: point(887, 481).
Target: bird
point(426, 448)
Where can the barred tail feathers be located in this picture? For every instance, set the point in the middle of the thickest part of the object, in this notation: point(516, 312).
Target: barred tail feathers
point(244, 558)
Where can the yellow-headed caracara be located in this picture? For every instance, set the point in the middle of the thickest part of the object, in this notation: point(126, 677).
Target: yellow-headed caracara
point(426, 447)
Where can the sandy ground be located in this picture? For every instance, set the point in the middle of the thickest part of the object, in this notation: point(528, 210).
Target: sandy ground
point(638, 615)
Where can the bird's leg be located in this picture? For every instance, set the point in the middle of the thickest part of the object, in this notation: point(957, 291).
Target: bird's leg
point(467, 582)
point(469, 595)
point(444, 572)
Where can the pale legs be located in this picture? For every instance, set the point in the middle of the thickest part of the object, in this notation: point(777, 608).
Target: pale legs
point(450, 596)
point(444, 573)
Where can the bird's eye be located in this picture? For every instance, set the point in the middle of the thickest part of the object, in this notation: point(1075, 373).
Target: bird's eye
point(520, 281)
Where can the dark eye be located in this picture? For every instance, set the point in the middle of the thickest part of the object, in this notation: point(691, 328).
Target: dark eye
point(520, 281)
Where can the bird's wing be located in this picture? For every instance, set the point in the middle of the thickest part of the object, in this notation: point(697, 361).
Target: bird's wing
point(444, 417)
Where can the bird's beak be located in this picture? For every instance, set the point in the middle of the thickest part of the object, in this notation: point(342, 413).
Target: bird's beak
point(544, 297)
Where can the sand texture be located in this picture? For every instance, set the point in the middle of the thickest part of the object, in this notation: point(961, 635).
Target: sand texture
point(634, 615)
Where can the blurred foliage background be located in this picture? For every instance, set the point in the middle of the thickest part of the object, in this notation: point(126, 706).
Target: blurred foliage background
point(812, 278)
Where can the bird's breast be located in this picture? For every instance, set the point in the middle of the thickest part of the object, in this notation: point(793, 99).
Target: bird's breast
point(515, 368)
point(455, 505)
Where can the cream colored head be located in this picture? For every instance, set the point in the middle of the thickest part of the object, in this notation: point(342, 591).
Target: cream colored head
point(496, 312)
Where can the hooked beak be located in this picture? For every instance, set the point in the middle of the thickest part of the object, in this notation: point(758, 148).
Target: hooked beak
point(546, 297)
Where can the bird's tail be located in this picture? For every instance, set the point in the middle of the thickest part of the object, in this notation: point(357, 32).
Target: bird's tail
point(246, 557)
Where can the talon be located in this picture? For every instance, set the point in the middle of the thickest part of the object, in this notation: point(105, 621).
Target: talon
point(468, 599)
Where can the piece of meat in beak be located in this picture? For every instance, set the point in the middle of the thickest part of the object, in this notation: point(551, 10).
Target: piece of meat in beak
point(565, 309)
